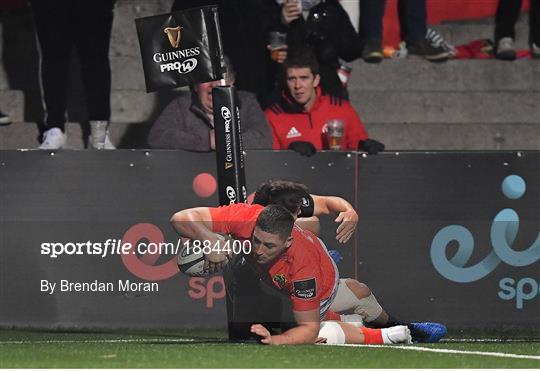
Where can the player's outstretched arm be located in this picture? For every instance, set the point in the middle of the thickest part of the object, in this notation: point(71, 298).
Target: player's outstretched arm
point(305, 333)
point(196, 224)
point(347, 216)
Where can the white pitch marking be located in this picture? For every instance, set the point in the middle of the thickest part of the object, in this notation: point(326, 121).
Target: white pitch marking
point(488, 340)
point(434, 350)
point(96, 341)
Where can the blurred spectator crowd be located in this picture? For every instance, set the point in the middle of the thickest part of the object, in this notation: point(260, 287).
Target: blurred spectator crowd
point(287, 58)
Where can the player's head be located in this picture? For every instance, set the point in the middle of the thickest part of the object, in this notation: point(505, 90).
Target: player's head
point(281, 192)
point(302, 77)
point(204, 90)
point(272, 233)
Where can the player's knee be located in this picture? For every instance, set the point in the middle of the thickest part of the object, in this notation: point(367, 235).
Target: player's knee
point(359, 289)
point(369, 308)
point(332, 332)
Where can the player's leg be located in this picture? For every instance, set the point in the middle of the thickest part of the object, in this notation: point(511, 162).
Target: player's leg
point(337, 332)
point(356, 296)
point(349, 329)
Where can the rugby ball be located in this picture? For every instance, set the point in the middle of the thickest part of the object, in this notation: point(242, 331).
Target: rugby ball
point(190, 263)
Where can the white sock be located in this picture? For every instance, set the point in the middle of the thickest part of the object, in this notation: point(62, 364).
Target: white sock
point(396, 334)
point(385, 338)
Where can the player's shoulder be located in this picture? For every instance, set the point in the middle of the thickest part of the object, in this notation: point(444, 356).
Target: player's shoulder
point(305, 262)
point(245, 207)
point(305, 243)
point(239, 208)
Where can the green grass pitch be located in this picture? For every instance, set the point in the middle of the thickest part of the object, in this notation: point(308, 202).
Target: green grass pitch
point(209, 349)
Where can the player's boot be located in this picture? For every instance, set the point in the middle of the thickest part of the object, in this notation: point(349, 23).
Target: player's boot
point(427, 332)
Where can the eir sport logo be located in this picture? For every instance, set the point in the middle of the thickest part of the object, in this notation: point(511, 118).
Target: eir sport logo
point(504, 229)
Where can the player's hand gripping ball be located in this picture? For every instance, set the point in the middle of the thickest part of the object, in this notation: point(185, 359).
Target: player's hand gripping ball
point(191, 260)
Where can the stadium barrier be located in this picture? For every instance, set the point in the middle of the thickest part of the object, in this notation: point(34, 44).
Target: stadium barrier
point(449, 237)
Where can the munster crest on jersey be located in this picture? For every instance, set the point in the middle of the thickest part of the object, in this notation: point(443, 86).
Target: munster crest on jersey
point(280, 280)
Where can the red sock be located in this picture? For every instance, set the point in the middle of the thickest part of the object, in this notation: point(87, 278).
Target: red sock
point(372, 335)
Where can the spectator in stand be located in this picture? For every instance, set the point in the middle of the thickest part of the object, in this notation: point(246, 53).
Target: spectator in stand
point(505, 33)
point(413, 23)
point(242, 25)
point(4, 119)
point(299, 119)
point(85, 25)
point(188, 122)
point(322, 26)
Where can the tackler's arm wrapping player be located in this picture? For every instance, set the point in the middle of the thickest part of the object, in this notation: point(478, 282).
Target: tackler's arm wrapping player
point(276, 192)
point(284, 192)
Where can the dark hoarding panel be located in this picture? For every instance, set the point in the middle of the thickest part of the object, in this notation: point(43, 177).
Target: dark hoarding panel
point(452, 237)
point(109, 199)
point(404, 203)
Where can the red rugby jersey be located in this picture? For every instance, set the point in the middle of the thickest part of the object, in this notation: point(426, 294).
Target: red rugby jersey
point(305, 270)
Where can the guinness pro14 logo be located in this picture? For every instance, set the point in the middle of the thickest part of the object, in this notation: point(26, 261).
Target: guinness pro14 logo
point(179, 60)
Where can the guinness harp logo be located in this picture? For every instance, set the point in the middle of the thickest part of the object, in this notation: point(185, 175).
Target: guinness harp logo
point(174, 34)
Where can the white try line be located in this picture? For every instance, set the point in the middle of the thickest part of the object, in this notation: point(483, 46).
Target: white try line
point(149, 340)
point(449, 351)
point(532, 340)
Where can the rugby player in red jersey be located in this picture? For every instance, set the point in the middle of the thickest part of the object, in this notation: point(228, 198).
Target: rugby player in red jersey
point(352, 294)
point(290, 194)
point(298, 264)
